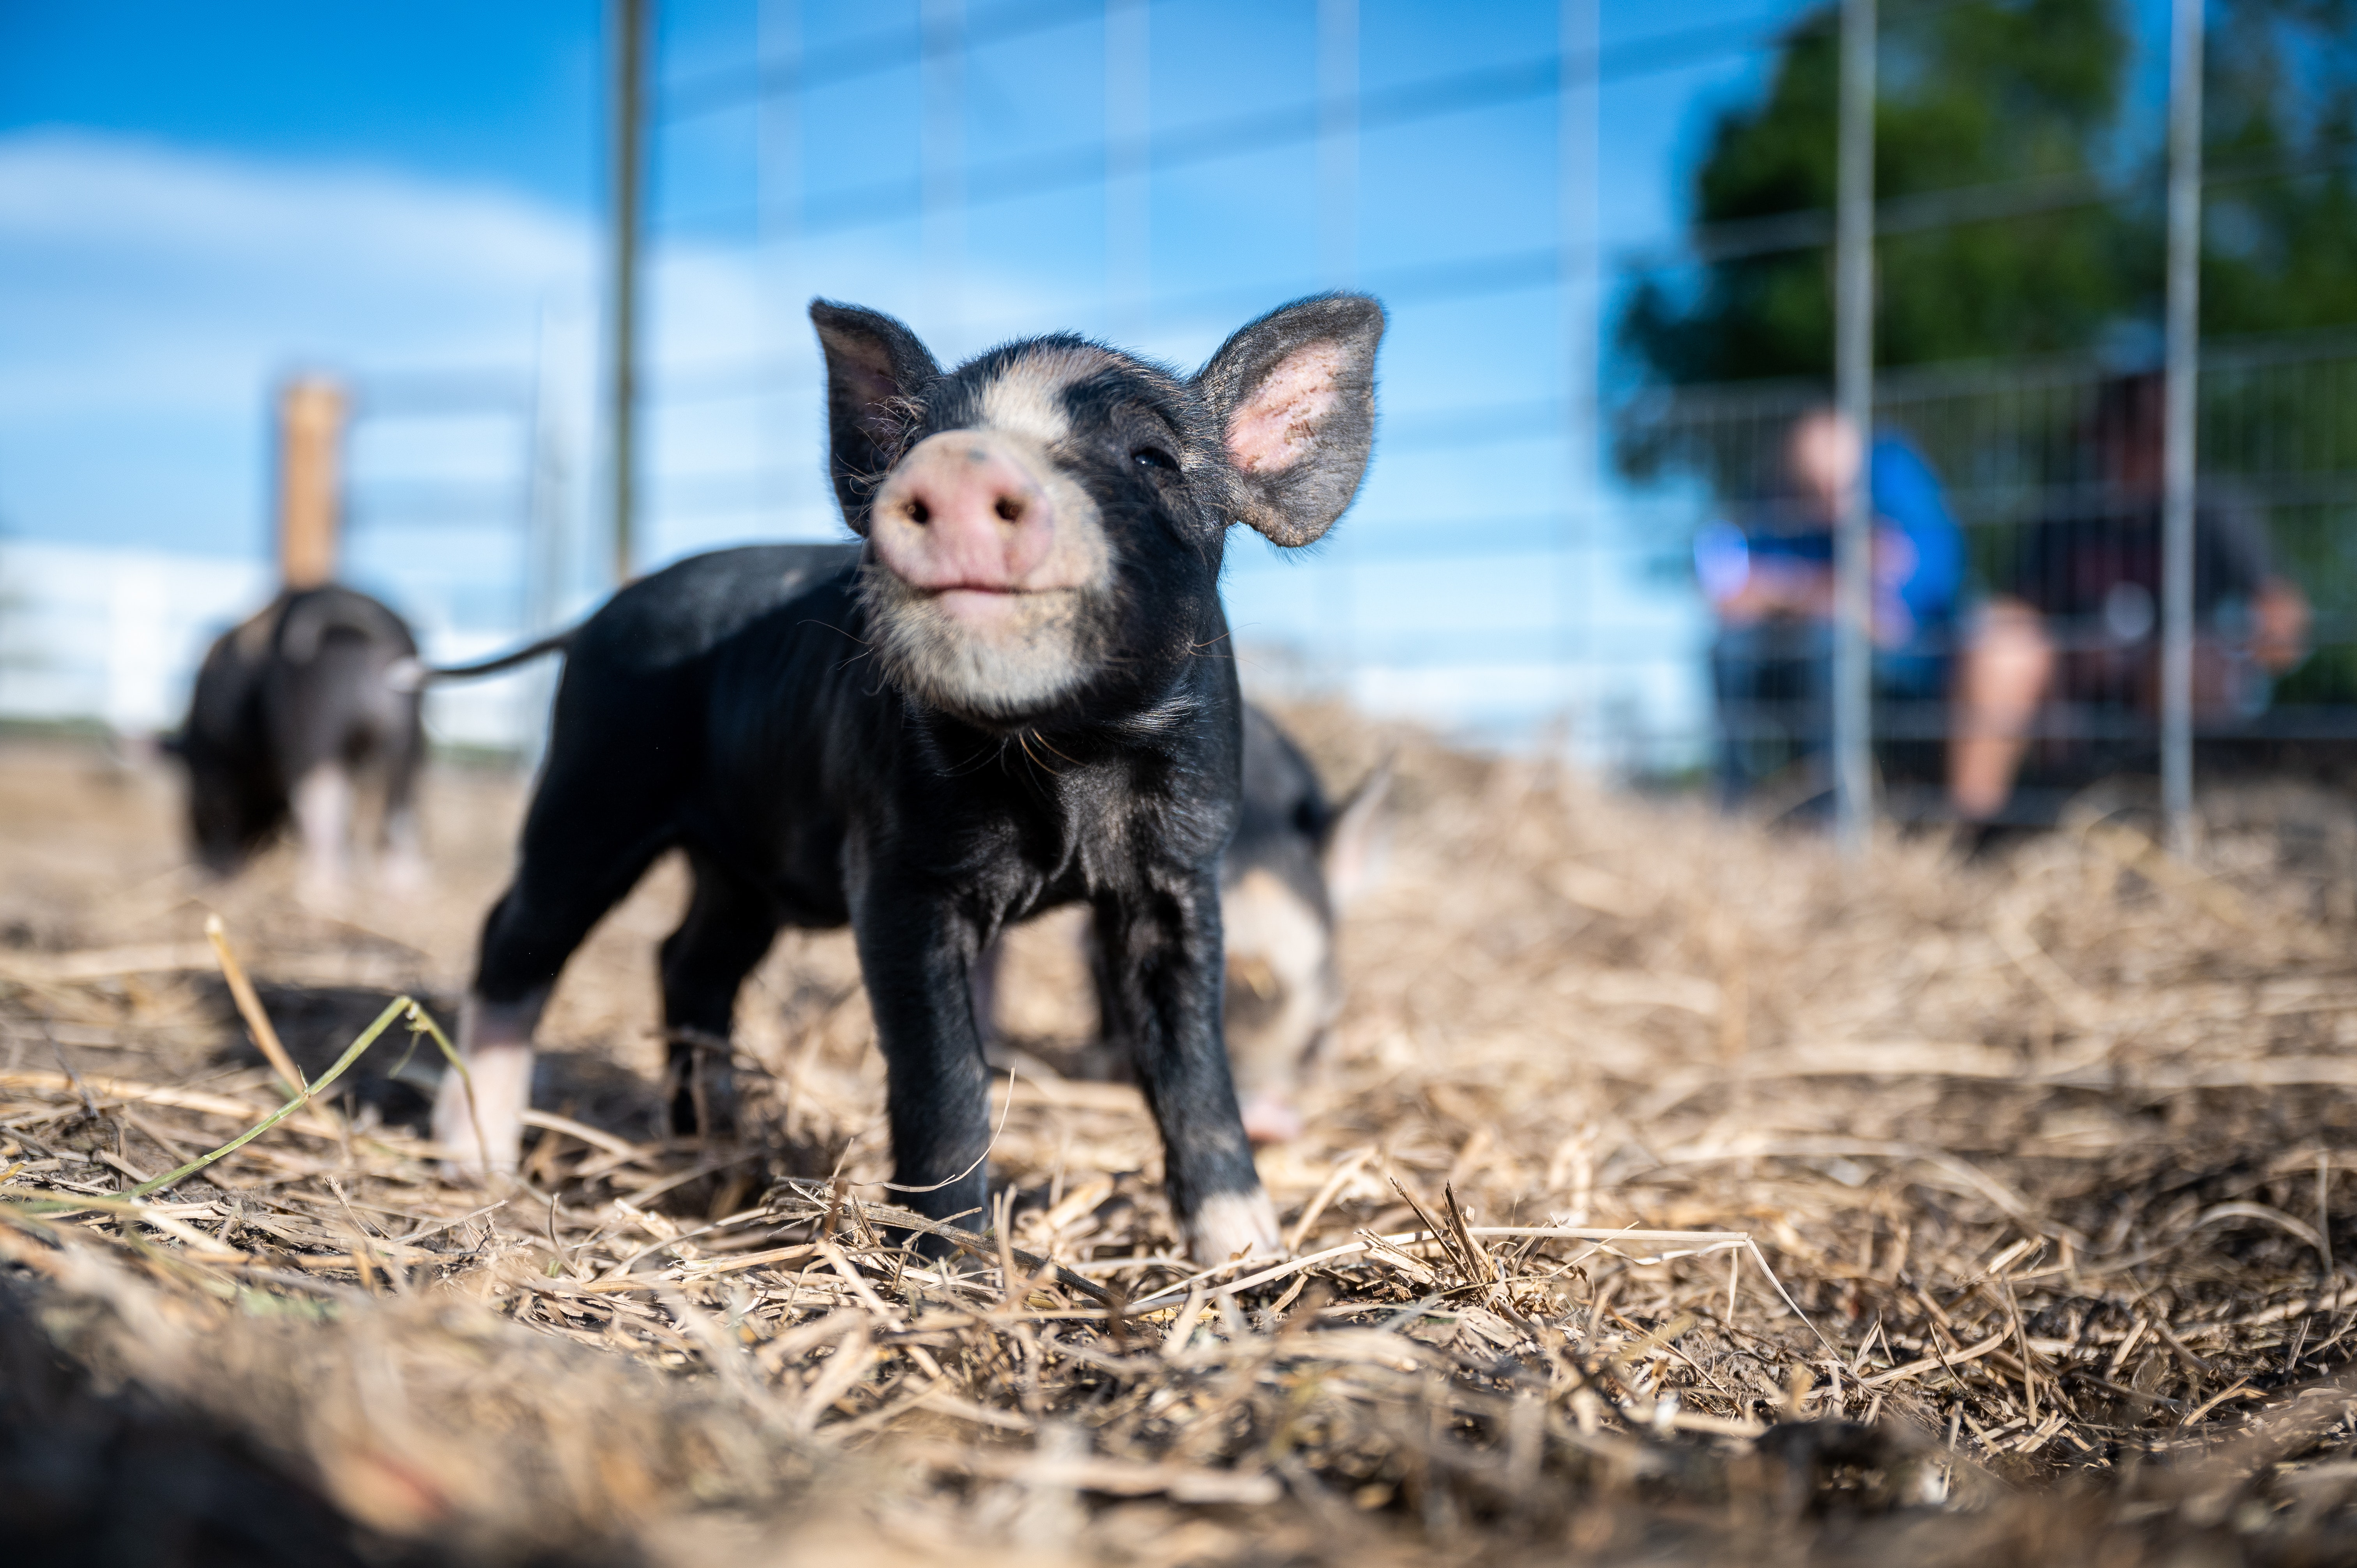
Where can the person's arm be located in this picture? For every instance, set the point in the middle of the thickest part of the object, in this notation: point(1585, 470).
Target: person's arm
point(2279, 624)
point(1746, 584)
point(2241, 558)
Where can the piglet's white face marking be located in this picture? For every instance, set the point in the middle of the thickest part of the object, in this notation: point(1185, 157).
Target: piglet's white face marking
point(1232, 1225)
point(1277, 427)
point(991, 554)
point(1027, 398)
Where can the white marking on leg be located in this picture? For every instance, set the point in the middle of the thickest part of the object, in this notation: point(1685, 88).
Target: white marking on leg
point(1232, 1225)
point(478, 1114)
point(322, 799)
point(403, 870)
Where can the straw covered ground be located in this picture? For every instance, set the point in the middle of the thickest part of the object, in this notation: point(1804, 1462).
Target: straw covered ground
point(1671, 1193)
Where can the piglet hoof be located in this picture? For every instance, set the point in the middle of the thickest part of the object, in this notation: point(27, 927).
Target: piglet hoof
point(1230, 1226)
point(482, 1132)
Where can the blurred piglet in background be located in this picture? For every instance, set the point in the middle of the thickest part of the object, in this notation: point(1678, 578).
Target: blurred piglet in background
point(1296, 864)
point(1298, 861)
point(297, 712)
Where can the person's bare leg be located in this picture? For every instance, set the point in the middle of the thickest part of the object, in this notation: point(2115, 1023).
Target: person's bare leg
point(2000, 681)
point(481, 1110)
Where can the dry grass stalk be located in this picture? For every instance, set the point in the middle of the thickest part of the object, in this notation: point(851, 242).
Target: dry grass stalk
point(2021, 1140)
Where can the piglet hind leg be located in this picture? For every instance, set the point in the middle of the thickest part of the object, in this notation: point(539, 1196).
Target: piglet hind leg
point(594, 827)
point(728, 928)
point(478, 1114)
point(1161, 989)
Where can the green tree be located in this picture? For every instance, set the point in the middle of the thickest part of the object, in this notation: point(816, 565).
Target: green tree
point(1985, 92)
point(2280, 239)
point(1973, 92)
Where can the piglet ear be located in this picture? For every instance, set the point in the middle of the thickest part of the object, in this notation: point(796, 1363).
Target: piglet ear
point(1295, 393)
point(1357, 842)
point(875, 368)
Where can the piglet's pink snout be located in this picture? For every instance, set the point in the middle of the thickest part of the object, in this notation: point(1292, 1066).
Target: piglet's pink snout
point(965, 511)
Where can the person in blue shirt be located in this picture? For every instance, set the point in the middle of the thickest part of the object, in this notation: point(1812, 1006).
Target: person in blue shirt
point(1769, 579)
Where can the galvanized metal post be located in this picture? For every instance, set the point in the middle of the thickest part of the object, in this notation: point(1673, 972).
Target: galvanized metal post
point(942, 152)
point(1338, 265)
point(777, 148)
point(1576, 104)
point(630, 18)
point(1129, 188)
point(1338, 142)
point(778, 192)
point(546, 509)
point(1854, 393)
point(2184, 351)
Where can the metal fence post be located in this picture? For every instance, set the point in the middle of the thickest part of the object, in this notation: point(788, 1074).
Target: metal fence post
point(629, 23)
point(1577, 97)
point(2184, 328)
point(1338, 267)
point(942, 152)
point(1128, 183)
point(777, 149)
point(1854, 391)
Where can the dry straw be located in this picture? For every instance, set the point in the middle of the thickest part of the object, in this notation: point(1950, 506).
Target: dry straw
point(2036, 1164)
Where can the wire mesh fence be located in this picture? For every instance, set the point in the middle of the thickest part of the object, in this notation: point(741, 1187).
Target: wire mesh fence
point(2018, 506)
point(456, 511)
point(1501, 576)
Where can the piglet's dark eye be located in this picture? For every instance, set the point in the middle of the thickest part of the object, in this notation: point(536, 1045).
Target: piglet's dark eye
point(1155, 457)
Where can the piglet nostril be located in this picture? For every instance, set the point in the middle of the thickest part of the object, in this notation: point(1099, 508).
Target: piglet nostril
point(1009, 509)
point(919, 513)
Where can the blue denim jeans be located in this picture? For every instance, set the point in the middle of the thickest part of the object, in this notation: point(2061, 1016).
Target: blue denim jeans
point(1773, 685)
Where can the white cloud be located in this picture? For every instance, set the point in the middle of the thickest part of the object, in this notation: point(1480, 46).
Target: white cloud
point(149, 294)
point(151, 273)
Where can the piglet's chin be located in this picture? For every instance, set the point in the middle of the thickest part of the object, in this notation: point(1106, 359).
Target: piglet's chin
point(990, 656)
point(981, 609)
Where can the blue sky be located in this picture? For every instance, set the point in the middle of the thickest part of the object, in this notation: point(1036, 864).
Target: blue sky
point(195, 198)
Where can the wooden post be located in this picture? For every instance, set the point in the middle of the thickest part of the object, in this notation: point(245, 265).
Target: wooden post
point(310, 449)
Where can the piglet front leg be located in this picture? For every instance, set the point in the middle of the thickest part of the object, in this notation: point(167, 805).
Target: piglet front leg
point(917, 954)
point(478, 1114)
point(1161, 980)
